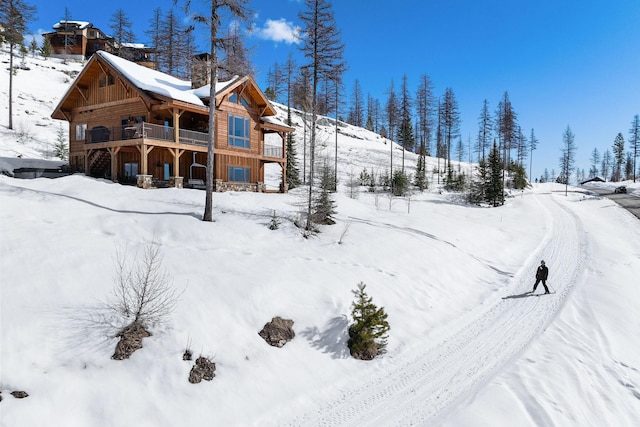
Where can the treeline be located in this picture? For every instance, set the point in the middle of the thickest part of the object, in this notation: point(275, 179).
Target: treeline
point(619, 162)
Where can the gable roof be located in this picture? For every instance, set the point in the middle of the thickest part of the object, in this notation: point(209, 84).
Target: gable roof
point(157, 85)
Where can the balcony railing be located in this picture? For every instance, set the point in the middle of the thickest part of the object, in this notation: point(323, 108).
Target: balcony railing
point(193, 137)
point(273, 151)
point(160, 133)
point(144, 130)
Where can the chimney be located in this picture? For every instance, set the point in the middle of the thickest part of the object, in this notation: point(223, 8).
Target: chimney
point(200, 70)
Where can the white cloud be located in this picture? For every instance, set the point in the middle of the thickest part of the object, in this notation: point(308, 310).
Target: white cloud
point(279, 31)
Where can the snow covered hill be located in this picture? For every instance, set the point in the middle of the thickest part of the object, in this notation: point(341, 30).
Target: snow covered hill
point(467, 345)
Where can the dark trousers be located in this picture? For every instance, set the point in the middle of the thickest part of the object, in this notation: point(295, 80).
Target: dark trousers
point(544, 283)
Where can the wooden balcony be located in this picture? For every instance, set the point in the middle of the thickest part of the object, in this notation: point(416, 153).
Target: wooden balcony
point(104, 137)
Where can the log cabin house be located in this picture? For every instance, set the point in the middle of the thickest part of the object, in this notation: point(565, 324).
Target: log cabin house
point(140, 126)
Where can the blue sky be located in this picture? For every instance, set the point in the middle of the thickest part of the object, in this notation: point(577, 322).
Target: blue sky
point(563, 62)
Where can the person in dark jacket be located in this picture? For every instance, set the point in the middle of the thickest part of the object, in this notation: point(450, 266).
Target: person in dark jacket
point(541, 276)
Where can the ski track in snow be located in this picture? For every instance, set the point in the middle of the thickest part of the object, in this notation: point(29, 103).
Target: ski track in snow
point(425, 386)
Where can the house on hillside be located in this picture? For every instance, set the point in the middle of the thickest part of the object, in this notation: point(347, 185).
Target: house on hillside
point(79, 40)
point(138, 125)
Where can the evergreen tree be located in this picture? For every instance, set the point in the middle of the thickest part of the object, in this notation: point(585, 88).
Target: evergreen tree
point(399, 183)
point(618, 154)
point(460, 150)
point(60, 147)
point(322, 48)
point(634, 142)
point(293, 173)
point(405, 131)
point(369, 125)
point(628, 167)
point(568, 157)
point(605, 166)
point(494, 190)
point(45, 49)
point(519, 175)
point(421, 175)
point(595, 161)
point(391, 110)
point(14, 18)
point(324, 206)
point(480, 183)
point(369, 332)
point(33, 46)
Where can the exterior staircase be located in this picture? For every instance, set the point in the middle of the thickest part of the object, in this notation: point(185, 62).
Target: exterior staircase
point(100, 164)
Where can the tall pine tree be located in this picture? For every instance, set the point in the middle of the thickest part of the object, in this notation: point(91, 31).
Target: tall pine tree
point(322, 48)
point(213, 20)
point(618, 154)
point(14, 17)
point(634, 142)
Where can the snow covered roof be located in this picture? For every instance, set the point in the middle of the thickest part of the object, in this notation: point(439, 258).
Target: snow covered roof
point(8, 165)
point(160, 83)
point(273, 120)
point(80, 24)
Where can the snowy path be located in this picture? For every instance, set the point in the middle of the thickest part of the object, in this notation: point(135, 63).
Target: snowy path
point(422, 387)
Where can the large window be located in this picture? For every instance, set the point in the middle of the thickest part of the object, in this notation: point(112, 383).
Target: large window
point(238, 174)
point(239, 132)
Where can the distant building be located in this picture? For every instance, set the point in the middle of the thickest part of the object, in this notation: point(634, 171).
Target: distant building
point(79, 40)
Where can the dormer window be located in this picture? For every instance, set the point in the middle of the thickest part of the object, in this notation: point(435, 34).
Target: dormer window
point(107, 79)
point(242, 100)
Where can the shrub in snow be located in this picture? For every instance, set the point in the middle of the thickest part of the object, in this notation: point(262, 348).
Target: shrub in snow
point(274, 224)
point(204, 369)
point(369, 331)
point(143, 297)
point(278, 331)
point(144, 292)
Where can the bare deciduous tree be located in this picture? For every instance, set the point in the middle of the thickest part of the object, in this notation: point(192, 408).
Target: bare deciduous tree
point(144, 291)
point(239, 10)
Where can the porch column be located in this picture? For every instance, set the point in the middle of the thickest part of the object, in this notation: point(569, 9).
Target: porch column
point(283, 135)
point(114, 163)
point(176, 124)
point(176, 178)
point(144, 150)
point(87, 153)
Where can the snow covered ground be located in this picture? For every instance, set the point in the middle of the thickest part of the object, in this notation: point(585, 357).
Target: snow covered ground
point(466, 347)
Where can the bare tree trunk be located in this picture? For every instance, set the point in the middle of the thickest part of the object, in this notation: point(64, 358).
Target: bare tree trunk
point(10, 86)
point(208, 204)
